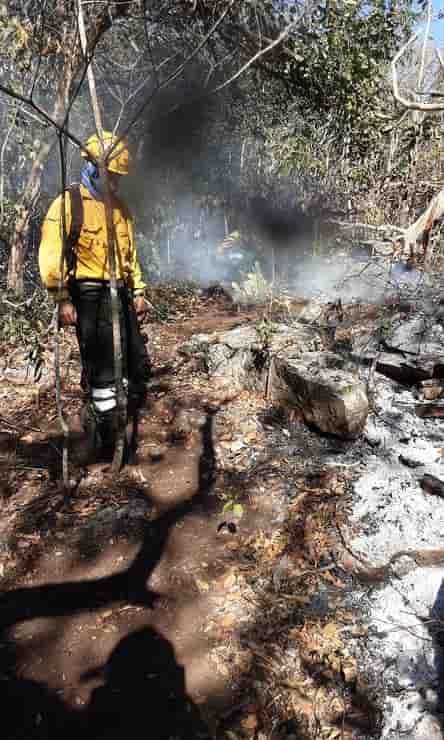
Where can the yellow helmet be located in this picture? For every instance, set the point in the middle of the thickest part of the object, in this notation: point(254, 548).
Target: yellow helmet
point(119, 160)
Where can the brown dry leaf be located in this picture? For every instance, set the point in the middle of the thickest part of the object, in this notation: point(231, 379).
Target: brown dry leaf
point(330, 632)
point(333, 734)
point(250, 722)
point(303, 600)
point(233, 545)
point(349, 669)
point(202, 585)
point(228, 621)
point(332, 579)
point(223, 669)
point(229, 579)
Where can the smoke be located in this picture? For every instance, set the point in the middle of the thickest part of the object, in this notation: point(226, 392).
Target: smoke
point(205, 214)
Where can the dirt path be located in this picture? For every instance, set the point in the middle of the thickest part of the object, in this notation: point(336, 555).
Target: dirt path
point(104, 622)
point(143, 605)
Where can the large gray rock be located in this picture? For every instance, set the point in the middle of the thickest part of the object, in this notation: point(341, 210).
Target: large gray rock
point(418, 334)
point(409, 369)
point(287, 362)
point(329, 397)
point(408, 349)
point(241, 357)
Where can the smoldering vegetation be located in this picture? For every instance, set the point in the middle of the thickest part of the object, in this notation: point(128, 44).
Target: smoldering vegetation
point(208, 206)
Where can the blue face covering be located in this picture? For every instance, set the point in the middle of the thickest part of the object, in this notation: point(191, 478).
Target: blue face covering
point(89, 177)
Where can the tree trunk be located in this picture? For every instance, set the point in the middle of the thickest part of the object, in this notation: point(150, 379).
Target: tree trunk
point(420, 230)
point(19, 243)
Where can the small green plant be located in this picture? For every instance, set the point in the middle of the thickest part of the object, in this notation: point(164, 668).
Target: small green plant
point(233, 507)
point(265, 329)
point(254, 289)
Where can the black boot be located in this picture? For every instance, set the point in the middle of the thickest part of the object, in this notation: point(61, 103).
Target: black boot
point(107, 431)
point(136, 398)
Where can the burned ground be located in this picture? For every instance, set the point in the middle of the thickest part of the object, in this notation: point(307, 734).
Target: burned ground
point(208, 590)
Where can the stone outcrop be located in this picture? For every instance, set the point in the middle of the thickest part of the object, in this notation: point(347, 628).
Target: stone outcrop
point(287, 363)
point(329, 397)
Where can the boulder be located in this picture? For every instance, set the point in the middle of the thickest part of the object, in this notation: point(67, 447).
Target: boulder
point(287, 363)
point(241, 357)
point(330, 397)
point(409, 349)
point(409, 369)
point(417, 334)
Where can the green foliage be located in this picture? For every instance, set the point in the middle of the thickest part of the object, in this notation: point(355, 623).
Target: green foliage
point(265, 329)
point(254, 289)
point(25, 325)
point(234, 508)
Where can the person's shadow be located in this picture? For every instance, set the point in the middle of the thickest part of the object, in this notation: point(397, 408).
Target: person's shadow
point(143, 695)
point(144, 689)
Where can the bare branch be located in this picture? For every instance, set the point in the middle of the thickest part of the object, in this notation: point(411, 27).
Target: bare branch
point(410, 104)
point(174, 75)
point(43, 115)
point(424, 45)
point(254, 58)
point(115, 313)
point(58, 386)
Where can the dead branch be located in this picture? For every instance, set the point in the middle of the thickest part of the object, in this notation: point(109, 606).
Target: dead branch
point(117, 339)
point(421, 229)
point(58, 387)
point(173, 76)
point(278, 40)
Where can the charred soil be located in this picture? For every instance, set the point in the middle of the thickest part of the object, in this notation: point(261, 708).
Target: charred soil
point(197, 594)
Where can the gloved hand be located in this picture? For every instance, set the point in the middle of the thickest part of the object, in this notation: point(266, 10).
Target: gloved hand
point(67, 313)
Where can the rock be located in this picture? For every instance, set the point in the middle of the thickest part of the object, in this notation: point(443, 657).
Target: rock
point(430, 410)
point(431, 484)
point(415, 335)
point(408, 349)
point(409, 370)
point(418, 454)
point(234, 357)
point(197, 344)
point(415, 349)
point(329, 397)
point(431, 390)
point(240, 357)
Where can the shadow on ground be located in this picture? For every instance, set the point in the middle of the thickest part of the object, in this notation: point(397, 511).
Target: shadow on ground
point(139, 686)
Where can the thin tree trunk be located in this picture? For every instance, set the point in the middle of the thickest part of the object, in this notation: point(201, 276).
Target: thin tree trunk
point(19, 243)
point(58, 382)
point(117, 340)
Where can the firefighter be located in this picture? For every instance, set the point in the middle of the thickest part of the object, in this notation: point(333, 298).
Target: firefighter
point(84, 300)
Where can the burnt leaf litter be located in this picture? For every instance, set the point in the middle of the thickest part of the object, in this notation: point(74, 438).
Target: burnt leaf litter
point(210, 590)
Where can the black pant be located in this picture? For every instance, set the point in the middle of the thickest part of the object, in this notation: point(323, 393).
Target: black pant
point(95, 336)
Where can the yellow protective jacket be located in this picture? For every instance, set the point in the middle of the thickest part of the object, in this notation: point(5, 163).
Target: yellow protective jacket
point(91, 250)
